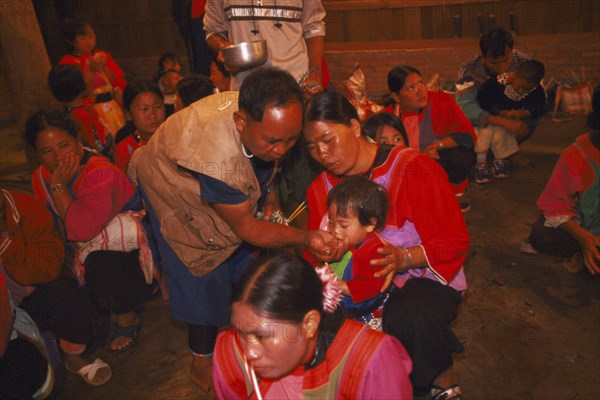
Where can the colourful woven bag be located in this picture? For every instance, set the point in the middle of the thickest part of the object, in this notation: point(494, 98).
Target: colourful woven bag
point(574, 101)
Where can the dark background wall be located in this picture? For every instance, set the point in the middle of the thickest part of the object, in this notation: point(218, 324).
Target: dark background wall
point(136, 32)
point(362, 20)
point(577, 53)
point(433, 35)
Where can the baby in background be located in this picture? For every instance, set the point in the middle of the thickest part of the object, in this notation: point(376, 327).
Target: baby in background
point(166, 62)
point(357, 210)
point(167, 76)
point(168, 86)
point(516, 95)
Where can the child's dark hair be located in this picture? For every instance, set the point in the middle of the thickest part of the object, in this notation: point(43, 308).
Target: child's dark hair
point(378, 121)
point(494, 42)
point(66, 82)
point(167, 57)
point(268, 86)
point(73, 26)
point(357, 195)
point(134, 89)
point(532, 71)
point(42, 120)
point(193, 88)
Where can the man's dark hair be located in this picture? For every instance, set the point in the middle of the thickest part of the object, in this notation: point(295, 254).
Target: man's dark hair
point(268, 86)
point(360, 197)
point(494, 42)
point(532, 71)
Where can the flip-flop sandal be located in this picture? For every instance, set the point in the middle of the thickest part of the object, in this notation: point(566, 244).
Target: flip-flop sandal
point(451, 393)
point(88, 372)
point(130, 331)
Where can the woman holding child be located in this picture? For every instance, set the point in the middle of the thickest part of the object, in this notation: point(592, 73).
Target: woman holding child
point(430, 280)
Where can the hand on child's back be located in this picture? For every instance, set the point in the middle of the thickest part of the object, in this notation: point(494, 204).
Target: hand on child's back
point(510, 114)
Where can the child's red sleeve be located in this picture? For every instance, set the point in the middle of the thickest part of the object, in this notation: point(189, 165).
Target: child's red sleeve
point(364, 285)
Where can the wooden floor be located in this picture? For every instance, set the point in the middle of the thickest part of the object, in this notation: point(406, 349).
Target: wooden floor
point(530, 328)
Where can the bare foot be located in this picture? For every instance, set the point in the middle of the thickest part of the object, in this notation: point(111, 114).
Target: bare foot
point(201, 374)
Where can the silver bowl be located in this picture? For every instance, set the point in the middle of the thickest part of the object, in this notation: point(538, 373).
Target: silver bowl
point(245, 55)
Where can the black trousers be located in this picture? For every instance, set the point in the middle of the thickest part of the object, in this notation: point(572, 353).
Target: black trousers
point(458, 162)
point(202, 338)
point(419, 315)
point(63, 308)
point(23, 370)
point(552, 241)
point(116, 281)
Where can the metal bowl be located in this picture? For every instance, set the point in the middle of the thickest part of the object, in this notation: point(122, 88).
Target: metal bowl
point(245, 55)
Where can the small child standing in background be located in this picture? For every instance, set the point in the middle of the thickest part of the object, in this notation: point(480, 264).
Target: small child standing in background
point(168, 86)
point(517, 95)
point(357, 209)
point(166, 62)
point(100, 72)
point(68, 86)
point(166, 77)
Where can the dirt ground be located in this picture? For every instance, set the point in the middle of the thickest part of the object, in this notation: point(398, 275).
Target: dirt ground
point(530, 328)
